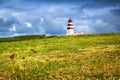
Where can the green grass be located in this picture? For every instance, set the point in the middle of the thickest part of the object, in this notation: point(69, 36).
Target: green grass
point(79, 57)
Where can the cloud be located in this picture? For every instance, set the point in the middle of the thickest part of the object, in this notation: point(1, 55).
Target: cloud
point(54, 26)
point(93, 26)
point(6, 23)
point(116, 11)
point(29, 25)
point(13, 29)
point(101, 26)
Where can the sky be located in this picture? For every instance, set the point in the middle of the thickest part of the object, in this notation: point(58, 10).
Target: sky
point(50, 17)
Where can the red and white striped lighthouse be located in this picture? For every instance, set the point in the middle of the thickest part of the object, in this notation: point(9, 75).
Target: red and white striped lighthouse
point(70, 28)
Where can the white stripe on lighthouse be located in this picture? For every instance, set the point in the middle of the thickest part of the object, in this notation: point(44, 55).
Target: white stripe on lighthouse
point(70, 23)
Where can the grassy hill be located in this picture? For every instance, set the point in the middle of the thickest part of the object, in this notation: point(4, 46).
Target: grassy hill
point(80, 57)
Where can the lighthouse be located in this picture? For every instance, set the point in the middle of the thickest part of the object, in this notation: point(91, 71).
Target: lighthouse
point(70, 28)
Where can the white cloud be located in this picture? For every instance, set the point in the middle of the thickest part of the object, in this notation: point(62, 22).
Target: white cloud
point(42, 19)
point(100, 22)
point(29, 25)
point(13, 29)
point(97, 12)
point(92, 26)
point(16, 14)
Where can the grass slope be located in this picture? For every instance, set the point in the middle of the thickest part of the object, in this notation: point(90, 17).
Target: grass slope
point(80, 57)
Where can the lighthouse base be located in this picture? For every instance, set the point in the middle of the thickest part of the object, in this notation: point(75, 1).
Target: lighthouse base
point(70, 32)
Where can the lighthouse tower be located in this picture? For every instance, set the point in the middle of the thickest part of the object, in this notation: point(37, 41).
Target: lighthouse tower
point(70, 28)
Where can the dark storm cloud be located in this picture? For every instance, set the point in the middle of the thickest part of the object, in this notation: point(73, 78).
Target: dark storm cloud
point(1, 1)
point(62, 1)
point(6, 24)
point(89, 3)
point(116, 11)
point(81, 4)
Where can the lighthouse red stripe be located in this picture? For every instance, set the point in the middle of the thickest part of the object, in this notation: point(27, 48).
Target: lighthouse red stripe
point(69, 28)
point(70, 24)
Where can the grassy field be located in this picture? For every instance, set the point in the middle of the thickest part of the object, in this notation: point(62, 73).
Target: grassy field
point(80, 57)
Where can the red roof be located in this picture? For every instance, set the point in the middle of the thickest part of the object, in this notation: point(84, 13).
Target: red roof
point(70, 20)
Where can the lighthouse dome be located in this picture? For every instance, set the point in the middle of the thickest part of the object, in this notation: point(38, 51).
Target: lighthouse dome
point(70, 20)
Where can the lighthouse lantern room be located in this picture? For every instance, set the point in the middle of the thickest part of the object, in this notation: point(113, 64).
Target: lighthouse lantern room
point(70, 28)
